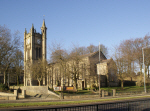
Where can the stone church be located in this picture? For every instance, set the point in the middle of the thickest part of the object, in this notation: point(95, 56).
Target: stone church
point(35, 48)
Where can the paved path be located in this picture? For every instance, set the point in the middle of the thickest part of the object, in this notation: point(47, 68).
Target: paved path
point(34, 99)
point(49, 100)
point(137, 105)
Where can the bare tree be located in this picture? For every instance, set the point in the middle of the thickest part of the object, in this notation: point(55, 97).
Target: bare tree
point(131, 57)
point(74, 61)
point(120, 66)
point(146, 43)
point(8, 44)
point(92, 48)
point(18, 63)
point(127, 50)
point(82, 50)
point(59, 56)
point(71, 63)
point(38, 70)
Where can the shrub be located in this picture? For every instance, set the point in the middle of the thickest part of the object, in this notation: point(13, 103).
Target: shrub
point(3, 87)
point(94, 87)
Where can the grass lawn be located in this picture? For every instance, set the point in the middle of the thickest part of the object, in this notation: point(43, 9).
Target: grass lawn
point(128, 88)
point(118, 89)
point(132, 88)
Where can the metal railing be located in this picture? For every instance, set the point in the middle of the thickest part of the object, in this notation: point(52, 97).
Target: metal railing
point(135, 105)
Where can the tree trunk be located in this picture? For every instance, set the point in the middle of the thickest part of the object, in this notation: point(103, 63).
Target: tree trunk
point(75, 83)
point(39, 82)
point(17, 80)
point(148, 71)
point(121, 84)
point(68, 80)
point(8, 79)
point(140, 69)
point(4, 77)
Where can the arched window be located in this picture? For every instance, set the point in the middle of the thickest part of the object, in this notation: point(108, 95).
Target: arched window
point(28, 83)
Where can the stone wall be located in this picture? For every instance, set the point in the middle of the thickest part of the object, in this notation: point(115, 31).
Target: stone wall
point(8, 96)
point(81, 96)
point(32, 90)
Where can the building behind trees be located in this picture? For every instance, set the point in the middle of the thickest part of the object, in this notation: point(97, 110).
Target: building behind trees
point(76, 69)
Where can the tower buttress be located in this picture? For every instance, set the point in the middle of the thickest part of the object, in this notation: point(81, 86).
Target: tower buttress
point(32, 43)
point(43, 31)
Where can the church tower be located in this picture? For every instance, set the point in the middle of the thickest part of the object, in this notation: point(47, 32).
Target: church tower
point(34, 49)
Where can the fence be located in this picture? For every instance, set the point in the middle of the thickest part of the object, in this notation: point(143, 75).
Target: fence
point(136, 105)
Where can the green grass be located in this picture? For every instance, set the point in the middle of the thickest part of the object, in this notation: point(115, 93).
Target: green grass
point(133, 88)
point(118, 89)
point(129, 88)
point(8, 105)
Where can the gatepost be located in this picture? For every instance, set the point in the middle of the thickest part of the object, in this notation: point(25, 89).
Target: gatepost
point(16, 93)
point(23, 93)
point(114, 92)
point(103, 93)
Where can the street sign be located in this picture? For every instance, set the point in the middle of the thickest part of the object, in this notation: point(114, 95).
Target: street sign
point(58, 88)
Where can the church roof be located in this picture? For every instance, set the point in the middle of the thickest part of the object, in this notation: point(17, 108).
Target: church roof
point(89, 54)
point(92, 54)
point(106, 60)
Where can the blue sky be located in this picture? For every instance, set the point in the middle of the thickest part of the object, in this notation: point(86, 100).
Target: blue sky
point(81, 22)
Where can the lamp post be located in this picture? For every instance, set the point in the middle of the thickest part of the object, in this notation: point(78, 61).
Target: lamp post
point(144, 67)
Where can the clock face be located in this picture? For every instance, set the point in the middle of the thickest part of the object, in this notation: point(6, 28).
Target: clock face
point(38, 41)
point(28, 40)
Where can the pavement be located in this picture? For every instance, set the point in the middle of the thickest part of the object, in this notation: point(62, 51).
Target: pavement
point(38, 99)
point(32, 99)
